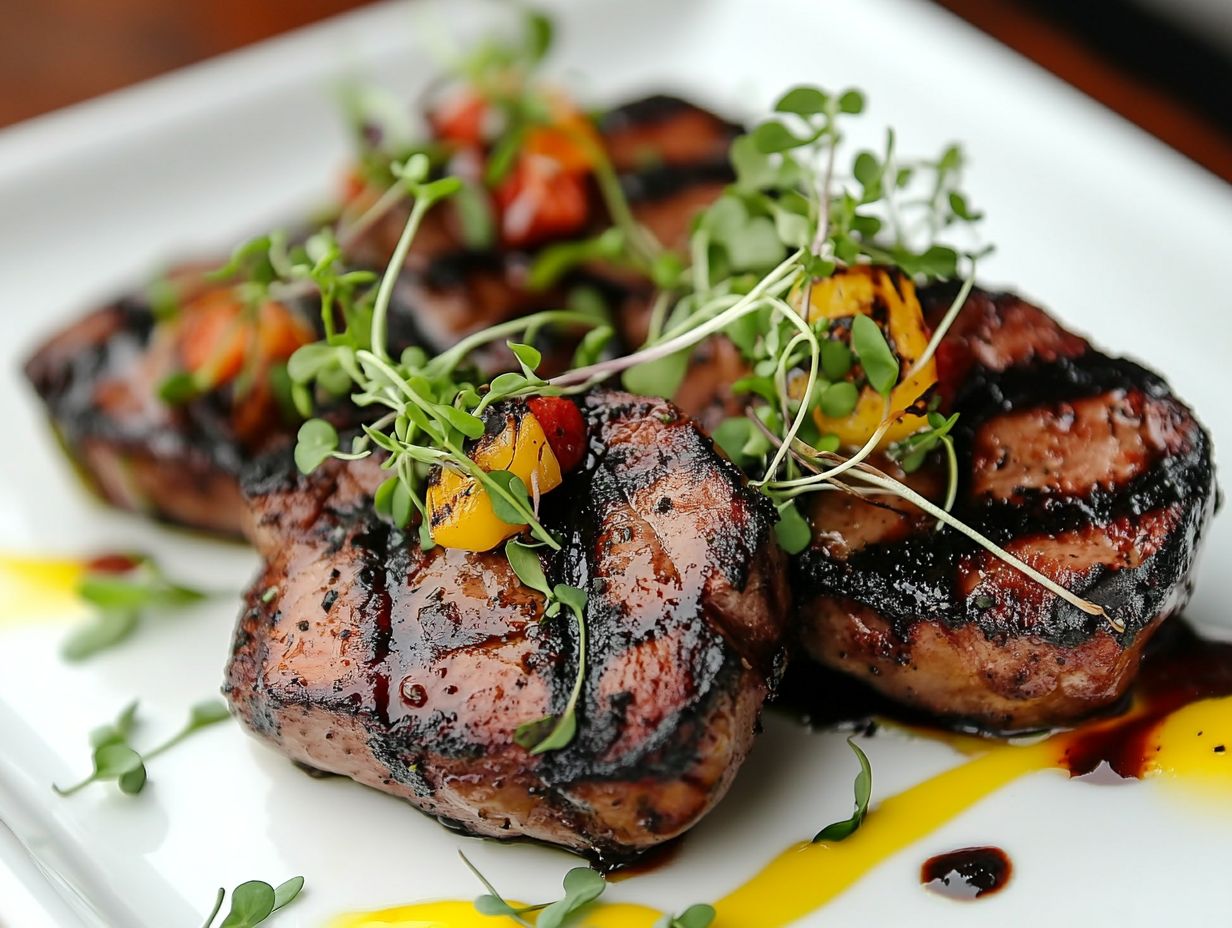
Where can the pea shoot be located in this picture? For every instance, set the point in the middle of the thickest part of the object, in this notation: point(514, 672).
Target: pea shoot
point(837, 831)
point(252, 903)
point(116, 760)
point(582, 886)
point(122, 588)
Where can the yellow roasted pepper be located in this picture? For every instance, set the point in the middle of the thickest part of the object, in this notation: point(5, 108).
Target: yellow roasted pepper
point(890, 300)
point(460, 510)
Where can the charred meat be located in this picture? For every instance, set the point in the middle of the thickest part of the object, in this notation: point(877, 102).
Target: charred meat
point(408, 670)
point(103, 379)
point(1085, 466)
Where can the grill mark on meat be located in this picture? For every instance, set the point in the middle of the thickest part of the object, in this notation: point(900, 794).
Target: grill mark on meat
point(1084, 465)
point(673, 683)
point(915, 578)
point(665, 129)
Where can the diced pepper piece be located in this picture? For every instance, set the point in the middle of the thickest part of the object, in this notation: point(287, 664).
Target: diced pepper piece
point(460, 513)
point(539, 200)
point(890, 300)
point(215, 336)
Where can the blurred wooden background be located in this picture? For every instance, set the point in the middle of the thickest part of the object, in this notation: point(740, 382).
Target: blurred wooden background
point(1169, 77)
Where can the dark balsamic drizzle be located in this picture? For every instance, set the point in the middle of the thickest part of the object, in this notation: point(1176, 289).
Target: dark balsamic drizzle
point(968, 873)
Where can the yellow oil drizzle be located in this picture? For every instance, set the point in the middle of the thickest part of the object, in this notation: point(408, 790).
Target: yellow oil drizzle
point(1194, 743)
point(806, 876)
point(39, 587)
point(463, 915)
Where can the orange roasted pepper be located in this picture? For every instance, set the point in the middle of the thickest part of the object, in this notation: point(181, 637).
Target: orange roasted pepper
point(460, 512)
point(536, 445)
point(216, 336)
point(889, 298)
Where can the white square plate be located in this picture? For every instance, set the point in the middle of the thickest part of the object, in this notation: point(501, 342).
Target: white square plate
point(1117, 234)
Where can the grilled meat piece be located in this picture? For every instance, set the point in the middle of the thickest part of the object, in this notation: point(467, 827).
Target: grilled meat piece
point(100, 376)
point(100, 380)
point(410, 670)
point(1083, 465)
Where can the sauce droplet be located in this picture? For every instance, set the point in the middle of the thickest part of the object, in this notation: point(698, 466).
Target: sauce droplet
point(968, 873)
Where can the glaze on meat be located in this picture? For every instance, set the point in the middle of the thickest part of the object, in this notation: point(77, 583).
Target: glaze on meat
point(99, 376)
point(1084, 465)
point(409, 670)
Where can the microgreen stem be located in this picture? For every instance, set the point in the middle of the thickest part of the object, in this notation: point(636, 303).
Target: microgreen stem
point(785, 273)
point(960, 300)
point(844, 465)
point(492, 891)
point(877, 478)
point(217, 907)
point(806, 332)
point(351, 232)
point(658, 316)
point(75, 788)
point(447, 361)
point(574, 694)
point(385, 292)
point(951, 459)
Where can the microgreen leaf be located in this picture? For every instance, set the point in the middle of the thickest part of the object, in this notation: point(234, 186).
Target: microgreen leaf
point(178, 388)
point(528, 356)
point(317, 440)
point(510, 483)
point(120, 598)
point(851, 102)
point(839, 399)
point(557, 259)
point(804, 101)
point(661, 377)
point(792, 530)
point(104, 631)
point(525, 563)
point(837, 831)
point(469, 425)
point(285, 893)
point(474, 211)
point(700, 915)
point(880, 365)
point(835, 360)
point(539, 34)
point(251, 904)
point(572, 596)
point(582, 886)
point(591, 347)
point(773, 136)
point(553, 733)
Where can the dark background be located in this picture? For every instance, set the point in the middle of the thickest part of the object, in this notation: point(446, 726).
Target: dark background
point(1165, 64)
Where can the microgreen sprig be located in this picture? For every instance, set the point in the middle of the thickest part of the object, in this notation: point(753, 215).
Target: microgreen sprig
point(115, 759)
point(551, 733)
point(581, 884)
point(430, 411)
point(121, 597)
point(252, 903)
point(837, 831)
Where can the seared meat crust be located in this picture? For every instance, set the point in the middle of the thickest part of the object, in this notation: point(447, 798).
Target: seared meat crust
point(99, 379)
point(410, 670)
point(1085, 466)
